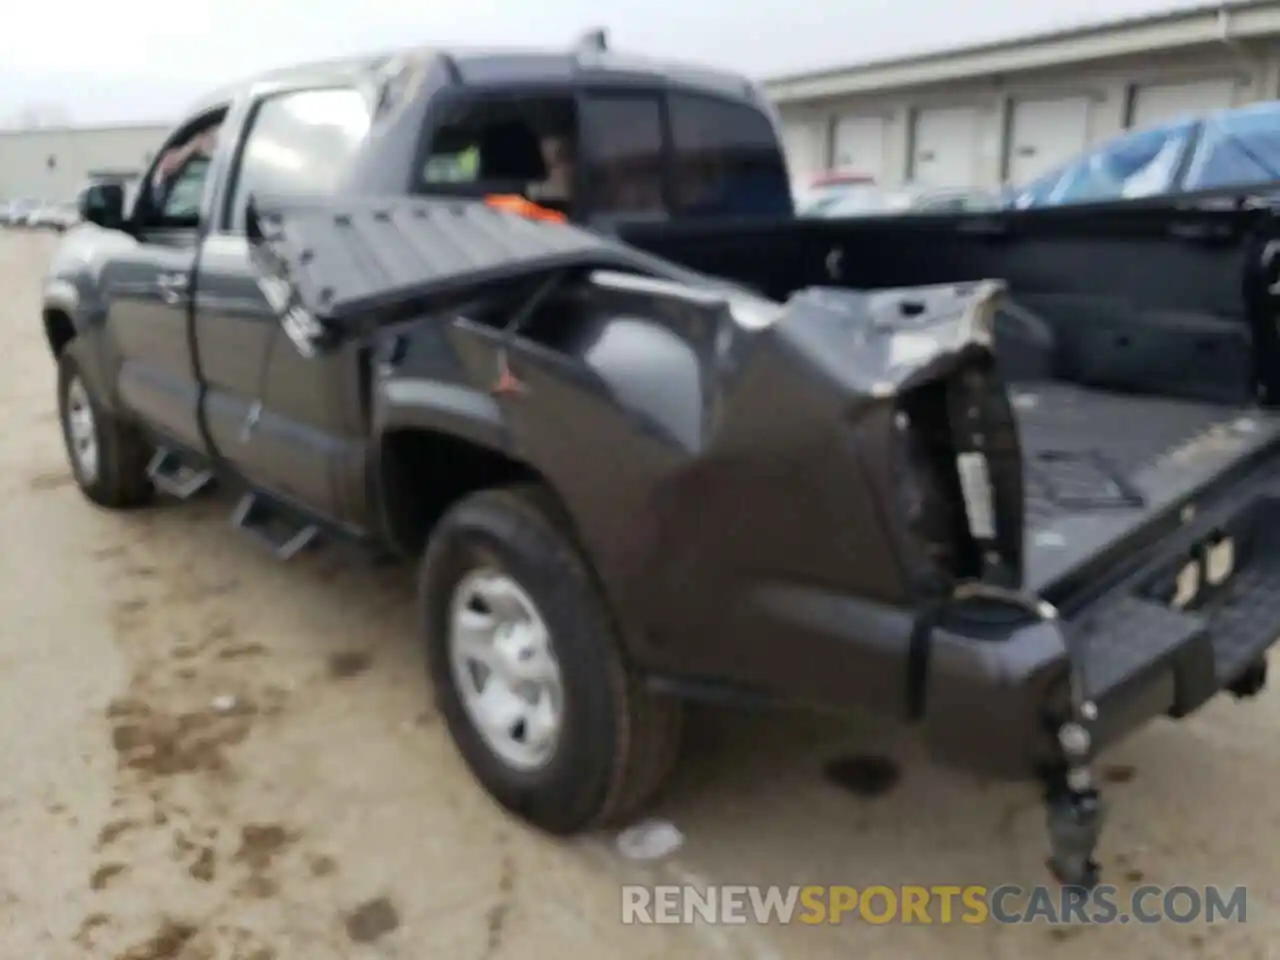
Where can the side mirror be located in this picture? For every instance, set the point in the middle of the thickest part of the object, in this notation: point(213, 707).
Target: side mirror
point(103, 204)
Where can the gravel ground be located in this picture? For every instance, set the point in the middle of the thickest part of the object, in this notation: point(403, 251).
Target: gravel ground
point(326, 815)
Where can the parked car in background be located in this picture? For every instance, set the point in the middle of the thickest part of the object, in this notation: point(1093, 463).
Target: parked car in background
point(1227, 148)
point(832, 188)
point(18, 212)
point(41, 217)
point(38, 216)
point(59, 216)
point(852, 196)
point(913, 198)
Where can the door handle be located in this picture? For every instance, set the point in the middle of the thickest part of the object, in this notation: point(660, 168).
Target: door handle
point(172, 286)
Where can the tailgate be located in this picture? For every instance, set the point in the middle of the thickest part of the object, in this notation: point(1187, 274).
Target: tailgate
point(1197, 608)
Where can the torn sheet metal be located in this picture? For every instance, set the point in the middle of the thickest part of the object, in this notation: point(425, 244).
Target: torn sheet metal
point(889, 340)
point(356, 264)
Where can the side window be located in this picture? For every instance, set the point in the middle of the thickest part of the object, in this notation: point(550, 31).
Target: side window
point(1238, 148)
point(298, 143)
point(728, 161)
point(623, 174)
point(462, 166)
point(182, 201)
point(170, 195)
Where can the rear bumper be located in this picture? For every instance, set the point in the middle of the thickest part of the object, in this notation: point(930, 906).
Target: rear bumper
point(993, 702)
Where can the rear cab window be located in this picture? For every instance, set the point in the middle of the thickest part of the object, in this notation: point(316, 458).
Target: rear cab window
point(727, 161)
point(504, 143)
point(611, 155)
point(623, 168)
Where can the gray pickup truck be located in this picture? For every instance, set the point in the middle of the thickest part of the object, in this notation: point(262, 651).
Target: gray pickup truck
point(1009, 477)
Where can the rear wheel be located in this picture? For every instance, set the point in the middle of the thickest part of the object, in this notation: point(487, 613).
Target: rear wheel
point(108, 457)
point(528, 672)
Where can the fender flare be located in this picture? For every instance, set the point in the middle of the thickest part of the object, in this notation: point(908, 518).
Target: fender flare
point(69, 326)
point(61, 299)
point(464, 412)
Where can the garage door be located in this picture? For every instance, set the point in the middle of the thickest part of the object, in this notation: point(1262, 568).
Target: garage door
point(1161, 103)
point(1044, 133)
point(805, 145)
point(946, 147)
point(859, 146)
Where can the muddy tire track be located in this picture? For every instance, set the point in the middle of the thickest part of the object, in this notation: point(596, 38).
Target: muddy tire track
point(197, 691)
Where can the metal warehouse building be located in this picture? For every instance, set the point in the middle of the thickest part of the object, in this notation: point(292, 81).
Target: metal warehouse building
point(1003, 112)
point(51, 163)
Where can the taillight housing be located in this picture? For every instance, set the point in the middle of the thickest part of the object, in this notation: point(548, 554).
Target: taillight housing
point(957, 478)
point(989, 469)
point(925, 492)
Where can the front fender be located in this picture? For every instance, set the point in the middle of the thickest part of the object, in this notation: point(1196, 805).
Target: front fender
point(73, 295)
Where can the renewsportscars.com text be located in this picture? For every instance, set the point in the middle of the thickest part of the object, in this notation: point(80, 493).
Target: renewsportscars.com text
point(939, 904)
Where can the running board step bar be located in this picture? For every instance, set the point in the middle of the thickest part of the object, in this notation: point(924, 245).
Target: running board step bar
point(284, 535)
point(170, 474)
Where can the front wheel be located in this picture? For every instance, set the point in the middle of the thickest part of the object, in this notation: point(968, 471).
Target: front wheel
point(528, 672)
point(108, 457)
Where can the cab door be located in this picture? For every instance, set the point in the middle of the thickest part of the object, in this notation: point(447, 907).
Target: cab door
point(149, 288)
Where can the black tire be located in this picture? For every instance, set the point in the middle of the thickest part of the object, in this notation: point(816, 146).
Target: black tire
point(120, 480)
point(618, 741)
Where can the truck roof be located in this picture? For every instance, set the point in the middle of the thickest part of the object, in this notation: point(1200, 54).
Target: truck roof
point(589, 61)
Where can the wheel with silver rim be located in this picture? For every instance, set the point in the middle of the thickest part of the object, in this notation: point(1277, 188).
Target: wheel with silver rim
point(505, 668)
point(108, 457)
point(529, 675)
point(82, 431)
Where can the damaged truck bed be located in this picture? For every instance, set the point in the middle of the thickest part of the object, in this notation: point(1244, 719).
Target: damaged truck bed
point(862, 499)
point(1012, 478)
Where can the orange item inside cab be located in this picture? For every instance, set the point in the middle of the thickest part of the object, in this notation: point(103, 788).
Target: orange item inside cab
point(514, 203)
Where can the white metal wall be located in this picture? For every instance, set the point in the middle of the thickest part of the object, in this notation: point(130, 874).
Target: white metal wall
point(52, 164)
point(944, 145)
point(1044, 132)
point(1007, 129)
point(806, 145)
point(858, 144)
point(1158, 103)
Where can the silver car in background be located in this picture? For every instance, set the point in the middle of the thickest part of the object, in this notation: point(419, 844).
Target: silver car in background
point(869, 200)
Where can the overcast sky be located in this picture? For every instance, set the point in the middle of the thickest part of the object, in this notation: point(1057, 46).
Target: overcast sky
point(137, 60)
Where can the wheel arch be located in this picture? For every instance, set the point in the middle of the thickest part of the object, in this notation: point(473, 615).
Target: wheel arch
point(421, 472)
point(59, 328)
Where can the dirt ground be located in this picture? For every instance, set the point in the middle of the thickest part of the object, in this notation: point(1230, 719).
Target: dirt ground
point(210, 755)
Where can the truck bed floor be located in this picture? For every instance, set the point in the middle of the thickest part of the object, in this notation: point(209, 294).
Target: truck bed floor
point(1083, 447)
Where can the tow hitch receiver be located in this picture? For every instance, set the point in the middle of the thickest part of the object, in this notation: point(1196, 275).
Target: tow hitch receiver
point(1074, 806)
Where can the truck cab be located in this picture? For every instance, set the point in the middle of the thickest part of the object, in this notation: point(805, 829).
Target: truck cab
point(602, 139)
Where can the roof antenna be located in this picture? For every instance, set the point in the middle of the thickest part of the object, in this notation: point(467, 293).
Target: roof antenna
point(596, 41)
